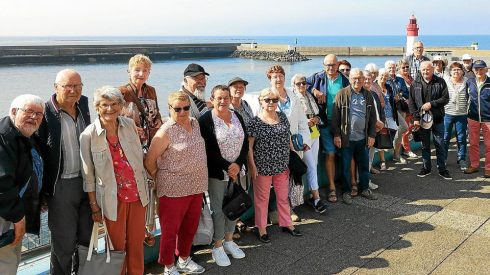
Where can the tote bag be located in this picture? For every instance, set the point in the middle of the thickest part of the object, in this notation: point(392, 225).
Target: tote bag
point(205, 229)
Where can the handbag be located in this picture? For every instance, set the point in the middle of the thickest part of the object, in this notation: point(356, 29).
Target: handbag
point(91, 262)
point(236, 200)
point(205, 229)
point(384, 139)
point(296, 165)
point(297, 140)
point(296, 196)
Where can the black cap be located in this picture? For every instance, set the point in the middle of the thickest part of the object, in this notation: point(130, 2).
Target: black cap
point(194, 69)
point(479, 64)
point(237, 79)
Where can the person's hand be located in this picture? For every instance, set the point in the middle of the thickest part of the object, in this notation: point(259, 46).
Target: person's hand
point(19, 231)
point(416, 125)
point(426, 106)
point(97, 216)
point(253, 170)
point(337, 141)
point(233, 170)
point(306, 147)
point(379, 125)
point(311, 122)
point(370, 142)
point(321, 97)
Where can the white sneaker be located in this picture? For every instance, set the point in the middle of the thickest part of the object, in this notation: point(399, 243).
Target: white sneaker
point(220, 257)
point(372, 185)
point(412, 154)
point(171, 271)
point(189, 266)
point(233, 249)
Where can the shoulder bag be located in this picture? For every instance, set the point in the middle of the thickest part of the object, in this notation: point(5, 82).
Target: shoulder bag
point(236, 200)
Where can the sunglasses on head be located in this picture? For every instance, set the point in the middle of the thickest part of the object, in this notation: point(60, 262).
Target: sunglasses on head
point(180, 109)
point(269, 100)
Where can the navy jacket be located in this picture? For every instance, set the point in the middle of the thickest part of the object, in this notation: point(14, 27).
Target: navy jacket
point(50, 135)
point(479, 100)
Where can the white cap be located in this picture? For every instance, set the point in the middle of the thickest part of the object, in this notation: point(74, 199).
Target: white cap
point(466, 57)
point(437, 58)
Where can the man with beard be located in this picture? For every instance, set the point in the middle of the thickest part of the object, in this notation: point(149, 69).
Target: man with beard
point(20, 178)
point(195, 78)
point(468, 66)
point(69, 218)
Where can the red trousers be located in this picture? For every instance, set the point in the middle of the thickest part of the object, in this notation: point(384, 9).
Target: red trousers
point(179, 218)
point(128, 233)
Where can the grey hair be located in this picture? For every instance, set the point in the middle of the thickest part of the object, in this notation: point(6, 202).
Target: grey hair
point(354, 71)
point(366, 73)
point(426, 62)
point(372, 68)
point(417, 41)
point(22, 100)
point(293, 79)
point(108, 93)
point(388, 63)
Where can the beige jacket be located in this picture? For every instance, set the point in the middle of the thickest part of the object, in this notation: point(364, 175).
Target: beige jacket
point(97, 167)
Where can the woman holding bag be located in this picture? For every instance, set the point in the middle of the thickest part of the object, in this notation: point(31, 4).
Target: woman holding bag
point(114, 177)
point(226, 142)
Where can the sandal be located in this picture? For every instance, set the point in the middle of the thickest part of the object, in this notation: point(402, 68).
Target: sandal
point(354, 191)
point(149, 239)
point(332, 196)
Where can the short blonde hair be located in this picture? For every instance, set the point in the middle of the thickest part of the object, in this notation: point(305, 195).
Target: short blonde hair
point(140, 59)
point(267, 92)
point(178, 95)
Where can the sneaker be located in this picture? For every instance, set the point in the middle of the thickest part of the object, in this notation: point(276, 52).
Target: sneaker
point(220, 257)
point(409, 154)
point(233, 249)
point(368, 194)
point(399, 159)
point(171, 271)
point(320, 207)
point(189, 266)
point(382, 166)
point(445, 175)
point(347, 198)
point(373, 186)
point(423, 172)
point(462, 165)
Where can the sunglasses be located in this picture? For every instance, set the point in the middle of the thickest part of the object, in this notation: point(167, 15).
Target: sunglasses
point(405, 67)
point(345, 70)
point(300, 83)
point(271, 100)
point(180, 109)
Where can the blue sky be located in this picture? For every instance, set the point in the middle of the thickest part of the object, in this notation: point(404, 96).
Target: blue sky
point(228, 17)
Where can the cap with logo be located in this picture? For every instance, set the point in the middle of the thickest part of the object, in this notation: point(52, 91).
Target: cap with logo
point(479, 64)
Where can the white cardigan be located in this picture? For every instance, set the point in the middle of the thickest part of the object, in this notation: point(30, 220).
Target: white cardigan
point(297, 120)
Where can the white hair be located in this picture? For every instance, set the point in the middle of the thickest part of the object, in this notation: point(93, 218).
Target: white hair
point(108, 93)
point(293, 79)
point(371, 67)
point(366, 73)
point(388, 63)
point(22, 100)
point(354, 71)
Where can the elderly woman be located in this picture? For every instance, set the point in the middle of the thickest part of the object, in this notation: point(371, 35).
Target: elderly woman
point(269, 143)
point(398, 91)
point(238, 87)
point(114, 176)
point(456, 111)
point(177, 162)
point(404, 72)
point(375, 87)
point(226, 148)
point(298, 84)
point(390, 111)
point(439, 66)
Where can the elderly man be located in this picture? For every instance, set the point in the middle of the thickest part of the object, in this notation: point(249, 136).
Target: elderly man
point(428, 96)
point(468, 65)
point(195, 78)
point(20, 178)
point(416, 58)
point(354, 129)
point(479, 117)
point(324, 86)
point(69, 218)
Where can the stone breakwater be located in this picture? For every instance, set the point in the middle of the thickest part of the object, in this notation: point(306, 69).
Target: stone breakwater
point(286, 56)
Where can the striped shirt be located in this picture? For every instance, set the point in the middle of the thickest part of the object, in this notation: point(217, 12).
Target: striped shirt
point(70, 145)
point(198, 106)
point(458, 101)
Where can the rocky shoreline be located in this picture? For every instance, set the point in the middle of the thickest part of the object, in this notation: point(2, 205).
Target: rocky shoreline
point(287, 56)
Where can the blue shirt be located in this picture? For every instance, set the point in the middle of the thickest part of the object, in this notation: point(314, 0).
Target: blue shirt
point(334, 87)
point(357, 117)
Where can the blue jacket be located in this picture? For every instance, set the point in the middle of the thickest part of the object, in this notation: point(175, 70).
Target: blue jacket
point(479, 100)
point(401, 87)
point(319, 81)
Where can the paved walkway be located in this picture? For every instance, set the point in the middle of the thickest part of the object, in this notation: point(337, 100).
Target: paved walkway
point(418, 226)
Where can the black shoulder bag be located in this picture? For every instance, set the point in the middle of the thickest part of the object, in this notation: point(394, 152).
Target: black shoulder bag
point(236, 200)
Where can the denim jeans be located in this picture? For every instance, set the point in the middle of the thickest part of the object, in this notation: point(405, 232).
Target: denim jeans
point(358, 151)
point(461, 124)
point(437, 130)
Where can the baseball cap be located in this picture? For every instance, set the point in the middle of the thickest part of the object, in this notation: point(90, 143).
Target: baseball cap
point(426, 120)
point(479, 64)
point(466, 57)
point(194, 69)
point(237, 79)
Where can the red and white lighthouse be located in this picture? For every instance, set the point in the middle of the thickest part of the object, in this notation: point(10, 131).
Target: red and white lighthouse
point(412, 34)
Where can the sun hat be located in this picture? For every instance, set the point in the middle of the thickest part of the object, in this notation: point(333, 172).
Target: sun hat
point(466, 57)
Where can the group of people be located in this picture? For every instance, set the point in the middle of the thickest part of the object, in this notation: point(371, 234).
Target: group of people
point(52, 155)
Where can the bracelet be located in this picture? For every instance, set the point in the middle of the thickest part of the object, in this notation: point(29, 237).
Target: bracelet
point(96, 212)
point(93, 203)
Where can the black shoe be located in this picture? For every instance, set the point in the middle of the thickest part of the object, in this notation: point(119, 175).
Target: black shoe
point(264, 238)
point(295, 232)
point(445, 175)
point(320, 207)
point(423, 172)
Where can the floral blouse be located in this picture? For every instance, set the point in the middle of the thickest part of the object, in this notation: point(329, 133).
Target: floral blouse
point(127, 191)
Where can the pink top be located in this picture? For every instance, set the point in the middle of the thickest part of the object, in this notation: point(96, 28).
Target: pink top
point(127, 191)
point(182, 168)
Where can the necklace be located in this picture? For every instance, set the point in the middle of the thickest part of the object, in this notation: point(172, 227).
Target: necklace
point(116, 147)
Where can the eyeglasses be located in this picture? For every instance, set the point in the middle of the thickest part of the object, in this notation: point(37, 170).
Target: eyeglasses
point(329, 65)
point(419, 48)
point(300, 83)
point(271, 100)
point(73, 87)
point(107, 106)
point(279, 76)
point(225, 98)
point(199, 78)
point(344, 70)
point(180, 109)
point(31, 113)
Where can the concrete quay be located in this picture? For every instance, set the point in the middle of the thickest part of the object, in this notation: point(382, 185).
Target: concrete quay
point(418, 226)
